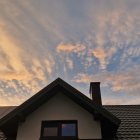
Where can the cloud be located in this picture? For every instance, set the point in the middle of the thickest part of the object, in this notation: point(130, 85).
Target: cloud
point(9, 48)
point(117, 29)
point(38, 70)
point(69, 63)
point(70, 48)
point(127, 81)
point(67, 51)
point(41, 40)
point(49, 64)
point(120, 101)
point(20, 78)
point(11, 63)
point(104, 55)
point(11, 94)
point(83, 78)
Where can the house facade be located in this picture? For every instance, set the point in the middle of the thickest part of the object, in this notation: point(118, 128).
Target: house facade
point(62, 109)
point(60, 112)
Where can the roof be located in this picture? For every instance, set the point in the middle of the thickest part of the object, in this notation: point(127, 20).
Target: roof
point(109, 122)
point(4, 110)
point(129, 115)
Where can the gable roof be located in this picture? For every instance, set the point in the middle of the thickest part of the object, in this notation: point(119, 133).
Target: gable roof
point(108, 120)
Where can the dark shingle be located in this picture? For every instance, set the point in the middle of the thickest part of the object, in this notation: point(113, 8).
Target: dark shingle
point(129, 115)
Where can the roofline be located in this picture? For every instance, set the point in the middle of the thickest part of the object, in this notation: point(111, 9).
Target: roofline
point(83, 100)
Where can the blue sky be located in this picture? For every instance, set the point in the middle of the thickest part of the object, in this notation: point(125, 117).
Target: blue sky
point(77, 40)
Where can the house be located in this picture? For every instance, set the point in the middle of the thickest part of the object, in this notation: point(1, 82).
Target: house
point(61, 112)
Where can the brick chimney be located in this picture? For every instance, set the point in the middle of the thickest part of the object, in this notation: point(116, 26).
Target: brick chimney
point(95, 93)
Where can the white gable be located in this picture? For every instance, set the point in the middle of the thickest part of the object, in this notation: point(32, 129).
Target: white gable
point(60, 107)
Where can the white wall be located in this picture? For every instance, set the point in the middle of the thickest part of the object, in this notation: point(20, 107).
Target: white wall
point(60, 107)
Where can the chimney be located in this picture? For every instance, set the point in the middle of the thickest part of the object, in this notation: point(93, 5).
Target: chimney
point(95, 93)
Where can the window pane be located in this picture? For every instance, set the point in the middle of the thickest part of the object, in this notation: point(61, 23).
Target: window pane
point(69, 129)
point(50, 131)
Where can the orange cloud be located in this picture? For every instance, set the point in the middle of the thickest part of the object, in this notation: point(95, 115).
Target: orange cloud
point(8, 46)
point(67, 47)
point(126, 81)
point(83, 78)
point(49, 64)
point(103, 55)
point(11, 62)
point(13, 67)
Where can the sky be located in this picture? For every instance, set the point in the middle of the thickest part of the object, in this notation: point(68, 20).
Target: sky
point(80, 41)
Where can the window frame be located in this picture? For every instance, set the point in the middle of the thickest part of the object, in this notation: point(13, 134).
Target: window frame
point(58, 124)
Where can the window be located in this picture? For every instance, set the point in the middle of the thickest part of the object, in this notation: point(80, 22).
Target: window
point(59, 130)
point(50, 131)
point(68, 129)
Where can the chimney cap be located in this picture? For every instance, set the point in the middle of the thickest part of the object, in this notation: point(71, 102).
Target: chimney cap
point(94, 82)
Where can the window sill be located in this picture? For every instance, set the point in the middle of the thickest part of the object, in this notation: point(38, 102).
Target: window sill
point(59, 138)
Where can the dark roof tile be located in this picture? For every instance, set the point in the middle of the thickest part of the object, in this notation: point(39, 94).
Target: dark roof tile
point(129, 115)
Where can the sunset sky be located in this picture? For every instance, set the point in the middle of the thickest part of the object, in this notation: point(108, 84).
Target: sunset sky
point(77, 40)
